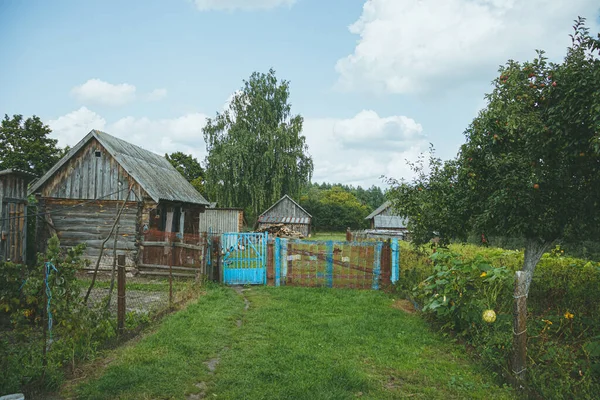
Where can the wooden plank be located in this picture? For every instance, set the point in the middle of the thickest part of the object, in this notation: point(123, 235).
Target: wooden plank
point(166, 267)
point(176, 274)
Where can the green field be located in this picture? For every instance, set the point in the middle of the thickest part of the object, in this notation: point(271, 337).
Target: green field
point(290, 343)
point(337, 236)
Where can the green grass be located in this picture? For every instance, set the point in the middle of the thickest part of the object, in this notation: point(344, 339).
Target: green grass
point(337, 236)
point(295, 343)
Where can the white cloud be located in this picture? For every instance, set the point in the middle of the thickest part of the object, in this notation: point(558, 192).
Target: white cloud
point(156, 94)
point(414, 45)
point(96, 91)
point(161, 136)
point(72, 127)
point(361, 149)
point(357, 150)
point(229, 5)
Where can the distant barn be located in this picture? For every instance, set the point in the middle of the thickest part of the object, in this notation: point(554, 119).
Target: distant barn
point(286, 211)
point(13, 210)
point(385, 218)
point(82, 194)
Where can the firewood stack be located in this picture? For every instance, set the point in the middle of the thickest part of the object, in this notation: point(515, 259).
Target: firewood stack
point(282, 231)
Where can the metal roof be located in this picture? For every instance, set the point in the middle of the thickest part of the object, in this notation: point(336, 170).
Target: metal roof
point(277, 219)
point(152, 172)
point(379, 209)
point(18, 172)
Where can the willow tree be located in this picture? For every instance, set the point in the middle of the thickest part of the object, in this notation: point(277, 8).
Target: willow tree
point(256, 150)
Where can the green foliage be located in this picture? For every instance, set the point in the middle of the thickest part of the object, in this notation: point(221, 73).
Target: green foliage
point(189, 167)
point(256, 152)
point(431, 202)
point(564, 307)
point(529, 168)
point(460, 290)
point(76, 330)
point(25, 145)
point(334, 209)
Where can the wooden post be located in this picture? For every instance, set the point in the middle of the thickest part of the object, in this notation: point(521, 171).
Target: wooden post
point(217, 259)
point(120, 294)
point(45, 324)
point(171, 261)
point(386, 265)
point(270, 263)
point(348, 235)
point(519, 364)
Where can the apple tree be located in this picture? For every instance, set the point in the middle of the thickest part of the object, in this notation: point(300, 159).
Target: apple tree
point(530, 166)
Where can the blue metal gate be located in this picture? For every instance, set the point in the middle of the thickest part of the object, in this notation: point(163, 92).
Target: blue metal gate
point(244, 258)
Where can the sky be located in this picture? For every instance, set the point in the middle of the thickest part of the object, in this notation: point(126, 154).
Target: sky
point(376, 81)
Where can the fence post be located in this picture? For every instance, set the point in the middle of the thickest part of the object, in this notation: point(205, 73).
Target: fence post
point(284, 261)
point(395, 261)
point(277, 251)
point(519, 364)
point(377, 265)
point(329, 263)
point(120, 293)
point(270, 262)
point(348, 235)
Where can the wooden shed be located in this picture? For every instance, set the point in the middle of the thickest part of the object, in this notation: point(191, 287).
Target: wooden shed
point(82, 194)
point(384, 217)
point(286, 211)
point(13, 210)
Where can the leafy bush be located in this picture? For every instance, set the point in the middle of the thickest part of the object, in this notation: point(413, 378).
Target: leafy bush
point(75, 333)
point(564, 311)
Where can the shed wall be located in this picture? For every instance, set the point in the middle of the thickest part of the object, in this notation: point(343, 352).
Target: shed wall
point(218, 220)
point(12, 218)
point(287, 208)
point(86, 176)
point(302, 228)
point(91, 223)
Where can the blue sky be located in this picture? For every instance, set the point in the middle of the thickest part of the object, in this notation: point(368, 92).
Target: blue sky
point(375, 80)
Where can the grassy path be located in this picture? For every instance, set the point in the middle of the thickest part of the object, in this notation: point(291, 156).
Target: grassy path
point(291, 343)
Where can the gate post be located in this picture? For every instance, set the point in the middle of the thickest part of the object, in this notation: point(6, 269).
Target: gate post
point(395, 261)
point(330, 263)
point(277, 251)
point(377, 265)
point(284, 261)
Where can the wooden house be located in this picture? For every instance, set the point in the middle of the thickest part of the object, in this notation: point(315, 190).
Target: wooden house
point(13, 210)
point(83, 193)
point(286, 211)
point(384, 217)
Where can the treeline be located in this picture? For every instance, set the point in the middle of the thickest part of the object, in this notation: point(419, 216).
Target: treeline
point(335, 207)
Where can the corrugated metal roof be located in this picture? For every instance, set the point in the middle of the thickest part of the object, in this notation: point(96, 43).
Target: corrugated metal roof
point(18, 172)
point(152, 172)
point(278, 219)
point(389, 221)
point(379, 209)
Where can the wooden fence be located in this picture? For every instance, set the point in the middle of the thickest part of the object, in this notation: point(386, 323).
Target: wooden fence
point(333, 264)
point(172, 254)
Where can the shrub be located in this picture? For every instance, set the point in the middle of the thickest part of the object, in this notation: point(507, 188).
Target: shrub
point(75, 333)
point(563, 304)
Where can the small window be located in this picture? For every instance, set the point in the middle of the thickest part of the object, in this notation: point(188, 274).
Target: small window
point(98, 154)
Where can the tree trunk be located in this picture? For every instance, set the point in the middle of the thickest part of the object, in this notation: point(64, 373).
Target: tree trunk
point(534, 249)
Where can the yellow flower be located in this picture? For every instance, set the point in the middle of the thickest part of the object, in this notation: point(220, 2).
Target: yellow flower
point(547, 322)
point(568, 315)
point(483, 274)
